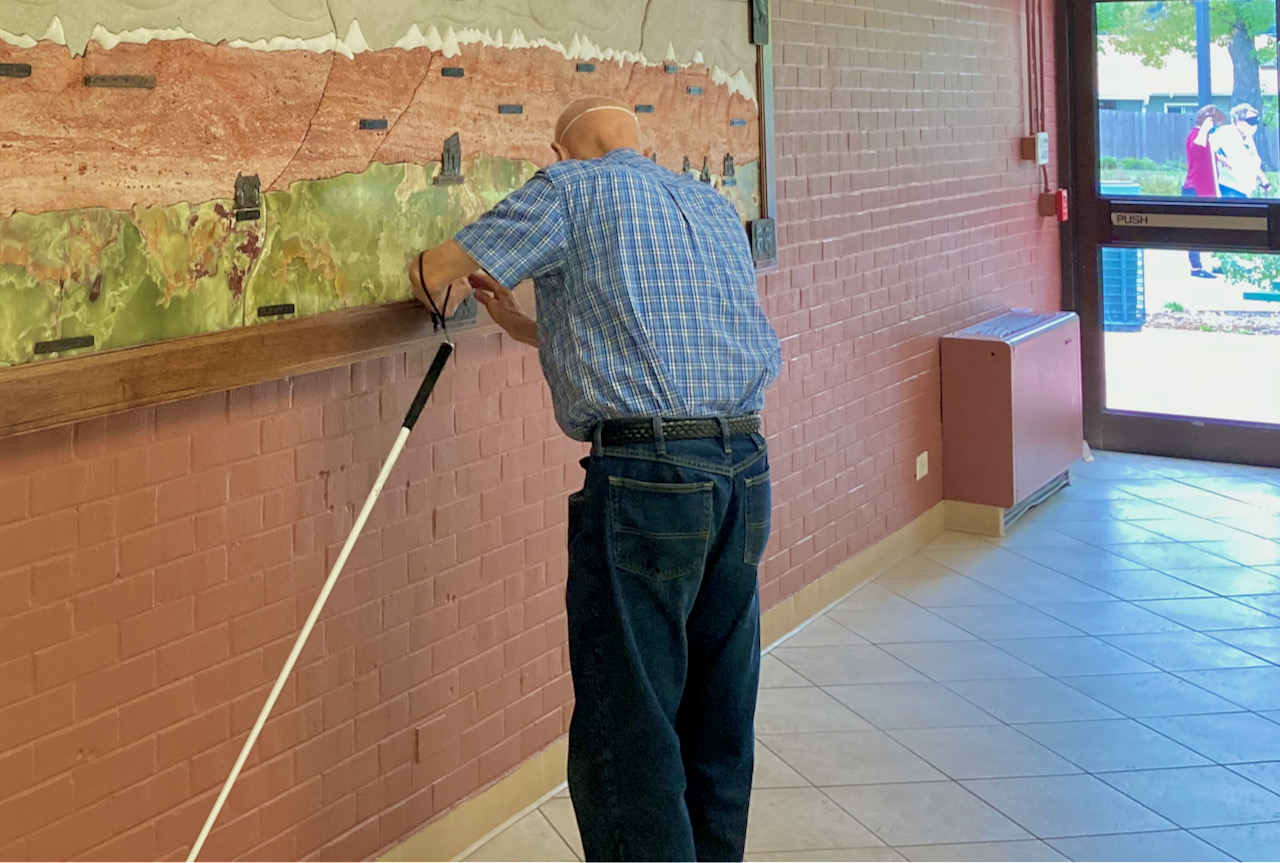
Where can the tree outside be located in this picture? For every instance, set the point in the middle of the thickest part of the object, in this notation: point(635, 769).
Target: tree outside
point(1155, 30)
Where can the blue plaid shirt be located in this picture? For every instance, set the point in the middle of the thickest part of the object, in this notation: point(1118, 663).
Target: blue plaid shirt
point(646, 291)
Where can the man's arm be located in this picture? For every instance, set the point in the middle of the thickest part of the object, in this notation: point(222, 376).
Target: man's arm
point(433, 271)
point(501, 304)
point(522, 237)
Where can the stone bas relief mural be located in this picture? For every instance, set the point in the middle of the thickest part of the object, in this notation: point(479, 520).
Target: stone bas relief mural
point(174, 169)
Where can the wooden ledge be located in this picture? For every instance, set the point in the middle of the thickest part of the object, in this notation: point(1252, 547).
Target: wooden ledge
point(59, 392)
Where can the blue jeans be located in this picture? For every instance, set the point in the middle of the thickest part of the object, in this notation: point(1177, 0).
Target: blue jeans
point(664, 645)
point(1192, 255)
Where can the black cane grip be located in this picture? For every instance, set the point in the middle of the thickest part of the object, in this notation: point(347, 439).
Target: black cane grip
point(428, 384)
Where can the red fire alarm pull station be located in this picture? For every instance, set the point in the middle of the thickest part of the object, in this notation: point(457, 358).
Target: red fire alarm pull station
point(1054, 204)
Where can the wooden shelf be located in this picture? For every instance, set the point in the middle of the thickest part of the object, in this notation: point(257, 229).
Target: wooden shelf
point(59, 392)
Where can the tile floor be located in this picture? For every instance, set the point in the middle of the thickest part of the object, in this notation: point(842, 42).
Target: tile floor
point(1102, 684)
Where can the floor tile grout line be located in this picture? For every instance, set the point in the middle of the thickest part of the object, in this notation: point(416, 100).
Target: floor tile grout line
point(1250, 779)
point(1211, 845)
point(1215, 761)
point(1100, 639)
point(856, 820)
point(1058, 676)
point(775, 754)
point(536, 806)
point(563, 838)
point(1126, 602)
point(1213, 634)
point(1077, 772)
point(1217, 521)
point(833, 605)
point(980, 639)
point(1169, 502)
point(929, 681)
point(1197, 767)
point(1138, 833)
point(1178, 675)
point(899, 848)
point(1067, 682)
point(1015, 599)
point(1199, 631)
point(1243, 708)
point(1041, 677)
point(1172, 574)
point(956, 783)
point(1046, 839)
point(1182, 481)
point(1120, 647)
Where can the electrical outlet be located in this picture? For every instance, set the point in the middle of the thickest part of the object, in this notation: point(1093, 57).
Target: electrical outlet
point(922, 465)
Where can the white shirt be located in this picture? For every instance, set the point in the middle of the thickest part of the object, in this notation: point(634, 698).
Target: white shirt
point(1239, 162)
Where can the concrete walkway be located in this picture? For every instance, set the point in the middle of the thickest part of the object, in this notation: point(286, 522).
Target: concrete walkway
point(1189, 373)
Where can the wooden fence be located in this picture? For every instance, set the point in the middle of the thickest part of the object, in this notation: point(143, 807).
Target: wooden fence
point(1144, 134)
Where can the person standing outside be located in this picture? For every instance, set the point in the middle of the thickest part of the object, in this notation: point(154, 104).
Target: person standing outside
point(656, 349)
point(1202, 178)
point(1239, 165)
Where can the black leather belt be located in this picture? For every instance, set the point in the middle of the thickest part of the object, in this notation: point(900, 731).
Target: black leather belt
point(622, 432)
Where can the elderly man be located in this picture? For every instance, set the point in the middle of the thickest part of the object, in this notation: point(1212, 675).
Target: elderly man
point(657, 351)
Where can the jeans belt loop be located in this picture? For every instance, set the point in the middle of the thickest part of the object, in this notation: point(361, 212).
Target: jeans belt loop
point(724, 432)
point(597, 432)
point(658, 437)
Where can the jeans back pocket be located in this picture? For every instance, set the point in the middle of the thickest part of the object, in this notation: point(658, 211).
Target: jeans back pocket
point(661, 530)
point(758, 506)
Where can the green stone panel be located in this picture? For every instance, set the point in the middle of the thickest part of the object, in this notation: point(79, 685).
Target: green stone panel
point(158, 273)
point(125, 278)
point(348, 241)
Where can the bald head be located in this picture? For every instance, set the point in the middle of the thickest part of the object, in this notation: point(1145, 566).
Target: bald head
point(591, 127)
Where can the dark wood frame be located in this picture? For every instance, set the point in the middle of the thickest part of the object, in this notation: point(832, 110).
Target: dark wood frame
point(1063, 95)
point(58, 392)
point(768, 152)
point(1090, 227)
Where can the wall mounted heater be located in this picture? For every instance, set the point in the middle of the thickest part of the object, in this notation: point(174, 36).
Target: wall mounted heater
point(1012, 421)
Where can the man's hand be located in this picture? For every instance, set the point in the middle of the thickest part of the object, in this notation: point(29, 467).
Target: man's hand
point(503, 308)
point(457, 292)
point(443, 266)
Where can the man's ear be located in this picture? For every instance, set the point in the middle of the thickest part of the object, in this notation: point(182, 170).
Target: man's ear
point(561, 153)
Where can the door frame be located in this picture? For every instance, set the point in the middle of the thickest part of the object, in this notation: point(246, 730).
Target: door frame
point(1089, 228)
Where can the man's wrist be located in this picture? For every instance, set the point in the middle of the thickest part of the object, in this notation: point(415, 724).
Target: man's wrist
point(528, 332)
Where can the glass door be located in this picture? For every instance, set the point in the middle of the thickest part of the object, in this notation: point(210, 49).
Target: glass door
point(1174, 154)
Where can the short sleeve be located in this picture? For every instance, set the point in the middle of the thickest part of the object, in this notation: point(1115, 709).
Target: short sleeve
point(524, 236)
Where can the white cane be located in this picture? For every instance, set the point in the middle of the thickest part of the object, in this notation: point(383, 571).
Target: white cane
point(419, 401)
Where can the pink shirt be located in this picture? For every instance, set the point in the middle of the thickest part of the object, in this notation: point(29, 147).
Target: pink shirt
point(1200, 167)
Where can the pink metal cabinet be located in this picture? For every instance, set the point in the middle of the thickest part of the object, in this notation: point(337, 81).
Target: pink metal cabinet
point(1012, 420)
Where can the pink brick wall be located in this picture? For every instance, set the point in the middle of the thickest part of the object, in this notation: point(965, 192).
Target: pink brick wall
point(155, 566)
point(904, 213)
